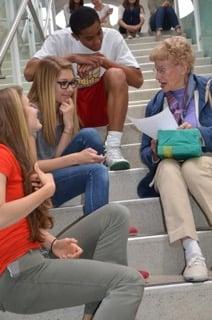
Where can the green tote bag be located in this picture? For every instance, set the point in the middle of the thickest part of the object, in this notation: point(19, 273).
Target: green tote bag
point(180, 144)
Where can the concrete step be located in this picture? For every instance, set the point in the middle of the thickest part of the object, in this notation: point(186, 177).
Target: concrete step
point(145, 38)
point(155, 254)
point(142, 94)
point(142, 58)
point(146, 51)
point(146, 216)
point(185, 301)
point(130, 134)
point(142, 44)
point(162, 302)
point(128, 179)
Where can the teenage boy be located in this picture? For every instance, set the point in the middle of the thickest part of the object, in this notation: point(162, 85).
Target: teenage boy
point(105, 67)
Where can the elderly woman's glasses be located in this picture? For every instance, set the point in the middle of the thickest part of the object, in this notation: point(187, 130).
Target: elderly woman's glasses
point(65, 84)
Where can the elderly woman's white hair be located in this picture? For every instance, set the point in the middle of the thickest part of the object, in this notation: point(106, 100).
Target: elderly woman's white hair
point(178, 49)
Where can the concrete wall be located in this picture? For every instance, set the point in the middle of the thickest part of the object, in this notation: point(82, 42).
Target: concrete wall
point(205, 7)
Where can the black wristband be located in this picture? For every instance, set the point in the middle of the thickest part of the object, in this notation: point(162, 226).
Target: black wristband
point(52, 245)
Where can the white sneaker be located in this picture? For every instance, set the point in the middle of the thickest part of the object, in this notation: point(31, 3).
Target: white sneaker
point(129, 36)
point(115, 160)
point(196, 270)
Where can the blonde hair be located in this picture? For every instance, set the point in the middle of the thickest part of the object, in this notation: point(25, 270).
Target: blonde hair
point(42, 93)
point(178, 49)
point(14, 134)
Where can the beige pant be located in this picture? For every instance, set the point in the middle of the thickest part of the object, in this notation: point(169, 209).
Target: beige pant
point(173, 181)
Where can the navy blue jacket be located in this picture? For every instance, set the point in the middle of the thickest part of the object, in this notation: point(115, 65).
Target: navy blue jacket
point(205, 117)
point(155, 106)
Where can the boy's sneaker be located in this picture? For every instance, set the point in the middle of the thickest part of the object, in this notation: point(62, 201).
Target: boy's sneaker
point(115, 160)
point(196, 270)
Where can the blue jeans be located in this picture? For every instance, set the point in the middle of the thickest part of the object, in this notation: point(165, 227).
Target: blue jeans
point(91, 179)
point(164, 18)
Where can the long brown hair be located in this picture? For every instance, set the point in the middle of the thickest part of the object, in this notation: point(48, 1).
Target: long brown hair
point(73, 6)
point(42, 93)
point(126, 4)
point(14, 134)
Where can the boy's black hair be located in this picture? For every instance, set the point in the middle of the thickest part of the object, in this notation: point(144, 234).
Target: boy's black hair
point(82, 18)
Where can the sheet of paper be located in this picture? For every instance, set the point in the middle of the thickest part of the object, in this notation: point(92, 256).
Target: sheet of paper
point(163, 120)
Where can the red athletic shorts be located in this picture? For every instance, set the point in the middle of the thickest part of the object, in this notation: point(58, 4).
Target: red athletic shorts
point(92, 105)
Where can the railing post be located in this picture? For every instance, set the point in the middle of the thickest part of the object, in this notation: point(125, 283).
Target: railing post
point(15, 57)
point(197, 24)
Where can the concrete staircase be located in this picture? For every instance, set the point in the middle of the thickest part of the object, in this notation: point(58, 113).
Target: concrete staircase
point(167, 296)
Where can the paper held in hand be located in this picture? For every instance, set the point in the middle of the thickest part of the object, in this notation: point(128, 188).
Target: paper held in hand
point(163, 120)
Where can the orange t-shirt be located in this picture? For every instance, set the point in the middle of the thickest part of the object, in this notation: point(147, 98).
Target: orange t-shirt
point(15, 239)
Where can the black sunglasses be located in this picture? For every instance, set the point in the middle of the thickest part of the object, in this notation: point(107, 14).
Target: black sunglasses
point(65, 84)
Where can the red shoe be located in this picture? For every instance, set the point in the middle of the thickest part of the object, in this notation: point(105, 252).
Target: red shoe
point(145, 274)
point(133, 231)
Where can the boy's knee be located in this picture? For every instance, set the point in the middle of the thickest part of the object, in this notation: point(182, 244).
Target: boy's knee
point(115, 76)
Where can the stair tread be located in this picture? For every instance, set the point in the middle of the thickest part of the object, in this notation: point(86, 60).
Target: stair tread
point(161, 280)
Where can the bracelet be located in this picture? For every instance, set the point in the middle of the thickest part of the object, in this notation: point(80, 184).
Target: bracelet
point(52, 243)
point(67, 132)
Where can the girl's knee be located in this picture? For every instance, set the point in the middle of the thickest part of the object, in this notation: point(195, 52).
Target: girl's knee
point(119, 213)
point(89, 132)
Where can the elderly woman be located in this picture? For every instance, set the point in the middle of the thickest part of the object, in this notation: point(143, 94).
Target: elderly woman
point(186, 95)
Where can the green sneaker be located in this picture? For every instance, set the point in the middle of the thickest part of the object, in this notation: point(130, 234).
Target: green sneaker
point(115, 160)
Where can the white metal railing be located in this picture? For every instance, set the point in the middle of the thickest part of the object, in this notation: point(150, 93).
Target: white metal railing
point(197, 24)
point(196, 20)
point(15, 23)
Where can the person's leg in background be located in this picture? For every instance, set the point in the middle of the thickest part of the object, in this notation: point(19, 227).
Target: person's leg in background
point(117, 104)
point(91, 179)
point(171, 21)
point(159, 17)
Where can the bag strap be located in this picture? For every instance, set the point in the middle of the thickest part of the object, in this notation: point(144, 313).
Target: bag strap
point(208, 95)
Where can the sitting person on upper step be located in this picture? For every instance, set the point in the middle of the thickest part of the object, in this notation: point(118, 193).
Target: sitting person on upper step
point(87, 264)
point(70, 7)
point(74, 156)
point(104, 11)
point(105, 67)
point(163, 17)
point(131, 17)
point(188, 97)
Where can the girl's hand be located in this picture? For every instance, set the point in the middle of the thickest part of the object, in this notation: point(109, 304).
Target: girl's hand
point(185, 125)
point(35, 181)
point(67, 110)
point(44, 180)
point(66, 248)
point(90, 155)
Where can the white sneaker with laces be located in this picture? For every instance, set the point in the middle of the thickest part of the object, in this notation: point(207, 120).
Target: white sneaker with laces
point(196, 270)
point(115, 160)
